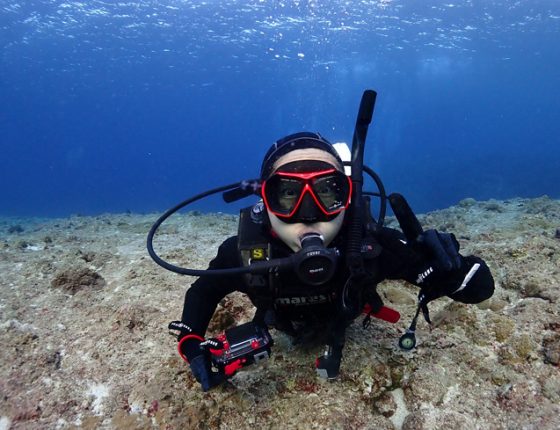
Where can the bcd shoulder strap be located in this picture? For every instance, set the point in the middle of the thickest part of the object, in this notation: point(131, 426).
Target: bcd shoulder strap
point(252, 243)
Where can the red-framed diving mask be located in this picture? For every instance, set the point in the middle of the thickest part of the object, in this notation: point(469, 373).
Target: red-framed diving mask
point(307, 197)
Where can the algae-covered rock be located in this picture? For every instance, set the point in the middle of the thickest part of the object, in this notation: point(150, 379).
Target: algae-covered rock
point(495, 304)
point(468, 202)
point(14, 229)
point(430, 383)
point(75, 279)
point(374, 379)
point(524, 346)
point(551, 388)
point(503, 327)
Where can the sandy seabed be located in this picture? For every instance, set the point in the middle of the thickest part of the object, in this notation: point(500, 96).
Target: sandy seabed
point(84, 341)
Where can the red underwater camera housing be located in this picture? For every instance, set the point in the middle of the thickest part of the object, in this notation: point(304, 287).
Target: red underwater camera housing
point(239, 347)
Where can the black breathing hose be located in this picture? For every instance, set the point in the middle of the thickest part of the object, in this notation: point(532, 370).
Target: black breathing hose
point(311, 260)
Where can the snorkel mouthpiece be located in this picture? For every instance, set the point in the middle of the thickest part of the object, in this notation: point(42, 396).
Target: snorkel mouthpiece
point(314, 263)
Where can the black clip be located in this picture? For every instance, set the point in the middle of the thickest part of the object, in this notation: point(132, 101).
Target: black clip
point(367, 321)
point(423, 304)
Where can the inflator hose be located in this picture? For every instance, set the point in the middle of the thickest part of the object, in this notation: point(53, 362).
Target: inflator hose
point(184, 270)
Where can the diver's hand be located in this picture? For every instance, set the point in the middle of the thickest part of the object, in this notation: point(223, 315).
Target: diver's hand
point(201, 370)
point(442, 259)
point(444, 249)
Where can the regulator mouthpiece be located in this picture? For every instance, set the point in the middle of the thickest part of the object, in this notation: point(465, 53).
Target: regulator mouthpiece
point(311, 239)
point(315, 264)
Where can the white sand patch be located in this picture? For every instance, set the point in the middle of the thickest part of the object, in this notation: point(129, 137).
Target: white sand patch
point(19, 326)
point(61, 423)
point(136, 408)
point(98, 392)
point(452, 392)
point(402, 411)
point(5, 423)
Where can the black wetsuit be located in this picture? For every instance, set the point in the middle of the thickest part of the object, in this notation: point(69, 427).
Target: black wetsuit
point(294, 305)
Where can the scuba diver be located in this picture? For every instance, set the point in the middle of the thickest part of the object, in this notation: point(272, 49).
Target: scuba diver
point(309, 255)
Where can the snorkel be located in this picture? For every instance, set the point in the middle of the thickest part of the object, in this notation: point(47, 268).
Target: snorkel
point(355, 232)
point(314, 263)
point(351, 297)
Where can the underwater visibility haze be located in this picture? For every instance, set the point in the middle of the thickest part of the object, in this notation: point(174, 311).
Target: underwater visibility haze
point(134, 106)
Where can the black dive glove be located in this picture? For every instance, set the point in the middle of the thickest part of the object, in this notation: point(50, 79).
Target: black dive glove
point(203, 373)
point(445, 249)
point(199, 361)
point(441, 255)
point(198, 358)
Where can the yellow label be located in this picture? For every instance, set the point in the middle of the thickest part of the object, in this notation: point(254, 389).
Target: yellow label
point(257, 254)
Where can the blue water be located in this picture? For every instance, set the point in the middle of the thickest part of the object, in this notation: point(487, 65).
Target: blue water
point(114, 106)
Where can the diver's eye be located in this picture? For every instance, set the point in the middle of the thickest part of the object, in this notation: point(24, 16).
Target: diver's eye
point(330, 191)
point(325, 190)
point(288, 193)
point(327, 197)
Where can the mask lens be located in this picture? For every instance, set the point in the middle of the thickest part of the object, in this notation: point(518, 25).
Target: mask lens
point(283, 193)
point(332, 191)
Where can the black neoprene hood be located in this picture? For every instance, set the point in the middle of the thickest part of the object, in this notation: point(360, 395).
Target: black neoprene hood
point(292, 142)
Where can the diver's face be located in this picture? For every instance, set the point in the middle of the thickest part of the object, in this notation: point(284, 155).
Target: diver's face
point(291, 232)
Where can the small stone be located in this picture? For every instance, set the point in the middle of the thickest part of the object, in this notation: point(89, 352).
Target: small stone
point(551, 347)
point(22, 244)
point(551, 389)
point(500, 376)
point(531, 289)
point(386, 405)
